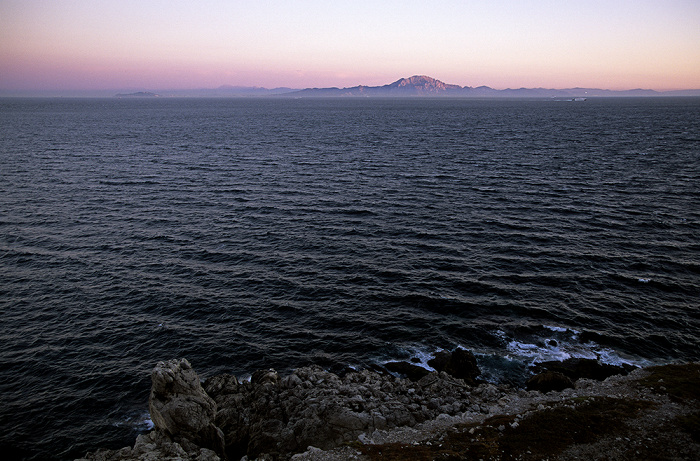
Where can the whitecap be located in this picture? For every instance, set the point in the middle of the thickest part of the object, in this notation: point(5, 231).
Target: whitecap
point(564, 345)
point(553, 328)
point(560, 329)
point(535, 353)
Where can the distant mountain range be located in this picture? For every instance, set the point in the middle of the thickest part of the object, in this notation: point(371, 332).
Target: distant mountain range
point(416, 86)
point(421, 85)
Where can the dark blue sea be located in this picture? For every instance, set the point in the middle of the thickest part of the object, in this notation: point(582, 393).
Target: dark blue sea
point(254, 233)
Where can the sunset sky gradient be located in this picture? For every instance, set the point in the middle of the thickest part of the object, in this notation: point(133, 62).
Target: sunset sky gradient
point(171, 44)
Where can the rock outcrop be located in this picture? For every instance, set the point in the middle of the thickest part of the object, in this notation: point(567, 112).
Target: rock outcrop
point(180, 409)
point(278, 417)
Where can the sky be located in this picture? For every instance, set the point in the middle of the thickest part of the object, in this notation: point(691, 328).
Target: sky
point(173, 44)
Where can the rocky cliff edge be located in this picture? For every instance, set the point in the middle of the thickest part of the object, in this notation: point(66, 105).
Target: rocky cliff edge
point(313, 414)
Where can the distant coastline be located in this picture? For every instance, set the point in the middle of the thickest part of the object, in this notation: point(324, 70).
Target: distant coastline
point(416, 86)
point(138, 94)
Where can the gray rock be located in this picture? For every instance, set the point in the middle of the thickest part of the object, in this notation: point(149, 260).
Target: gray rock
point(265, 377)
point(180, 408)
point(221, 384)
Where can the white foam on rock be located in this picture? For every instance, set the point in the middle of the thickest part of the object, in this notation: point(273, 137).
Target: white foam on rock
point(563, 345)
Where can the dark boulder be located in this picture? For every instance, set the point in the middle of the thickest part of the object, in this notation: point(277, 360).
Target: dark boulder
point(459, 363)
point(549, 381)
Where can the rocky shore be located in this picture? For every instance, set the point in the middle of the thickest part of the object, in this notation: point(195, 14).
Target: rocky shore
point(577, 409)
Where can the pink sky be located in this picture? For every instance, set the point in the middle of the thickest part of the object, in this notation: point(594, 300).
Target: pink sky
point(81, 44)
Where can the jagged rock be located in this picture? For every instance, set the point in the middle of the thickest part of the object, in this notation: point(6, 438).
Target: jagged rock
point(264, 377)
point(459, 363)
point(313, 407)
point(221, 384)
point(549, 381)
point(180, 408)
point(290, 382)
point(269, 416)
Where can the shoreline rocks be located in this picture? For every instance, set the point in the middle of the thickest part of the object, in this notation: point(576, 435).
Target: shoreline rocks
point(276, 418)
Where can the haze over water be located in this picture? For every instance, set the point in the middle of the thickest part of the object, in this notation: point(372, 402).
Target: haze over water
point(247, 234)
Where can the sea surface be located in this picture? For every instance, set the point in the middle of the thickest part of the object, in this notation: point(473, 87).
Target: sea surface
point(252, 233)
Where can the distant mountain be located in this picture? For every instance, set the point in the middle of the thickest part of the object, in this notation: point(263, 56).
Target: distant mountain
point(424, 86)
point(421, 85)
point(418, 85)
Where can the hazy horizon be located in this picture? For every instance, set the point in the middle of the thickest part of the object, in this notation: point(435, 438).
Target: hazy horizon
point(110, 46)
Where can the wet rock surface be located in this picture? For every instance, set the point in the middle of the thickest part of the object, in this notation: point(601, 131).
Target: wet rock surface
point(313, 414)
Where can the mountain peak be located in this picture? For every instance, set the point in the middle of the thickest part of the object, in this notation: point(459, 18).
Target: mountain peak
point(422, 83)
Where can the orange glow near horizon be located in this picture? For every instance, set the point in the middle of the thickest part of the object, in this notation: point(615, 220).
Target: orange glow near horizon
point(504, 44)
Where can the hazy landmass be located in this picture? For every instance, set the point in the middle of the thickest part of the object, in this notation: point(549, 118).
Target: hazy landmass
point(138, 94)
point(415, 86)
